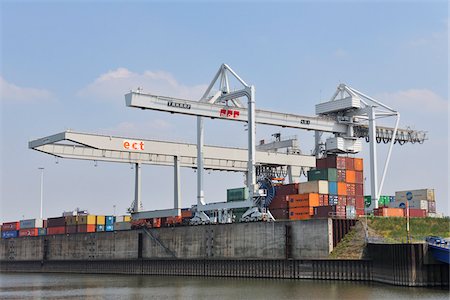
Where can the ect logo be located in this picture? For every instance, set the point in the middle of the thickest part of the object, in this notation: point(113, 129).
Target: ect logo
point(133, 145)
point(229, 113)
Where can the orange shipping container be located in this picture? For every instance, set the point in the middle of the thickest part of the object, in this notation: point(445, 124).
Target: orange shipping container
point(28, 232)
point(186, 213)
point(173, 220)
point(156, 222)
point(299, 215)
point(388, 212)
point(56, 230)
point(350, 176)
point(303, 200)
point(358, 162)
point(342, 188)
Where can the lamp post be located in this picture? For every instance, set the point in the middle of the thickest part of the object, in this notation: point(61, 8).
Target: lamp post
point(42, 189)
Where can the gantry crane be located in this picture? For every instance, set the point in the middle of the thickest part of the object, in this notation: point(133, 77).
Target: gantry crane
point(349, 116)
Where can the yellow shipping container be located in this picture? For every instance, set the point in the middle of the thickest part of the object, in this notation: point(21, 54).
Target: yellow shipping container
point(100, 220)
point(127, 218)
point(87, 220)
point(71, 220)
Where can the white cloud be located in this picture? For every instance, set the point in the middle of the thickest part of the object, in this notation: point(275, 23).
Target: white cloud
point(13, 93)
point(110, 85)
point(416, 100)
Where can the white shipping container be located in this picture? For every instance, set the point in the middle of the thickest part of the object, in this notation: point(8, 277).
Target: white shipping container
point(420, 204)
point(122, 226)
point(31, 223)
point(423, 194)
point(318, 186)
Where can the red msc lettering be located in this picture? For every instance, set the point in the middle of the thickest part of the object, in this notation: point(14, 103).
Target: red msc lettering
point(229, 113)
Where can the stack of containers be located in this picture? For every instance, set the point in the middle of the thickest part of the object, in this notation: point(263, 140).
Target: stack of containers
point(56, 225)
point(71, 224)
point(100, 225)
point(30, 227)
point(423, 199)
point(301, 206)
point(124, 222)
point(86, 223)
point(10, 230)
point(109, 223)
point(279, 205)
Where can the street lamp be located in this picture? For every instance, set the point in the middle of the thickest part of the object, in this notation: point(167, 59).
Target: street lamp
point(42, 188)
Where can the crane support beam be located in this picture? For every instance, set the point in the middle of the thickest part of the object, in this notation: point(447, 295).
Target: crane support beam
point(204, 109)
point(95, 147)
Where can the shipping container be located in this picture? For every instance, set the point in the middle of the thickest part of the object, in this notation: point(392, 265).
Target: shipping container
point(416, 213)
point(186, 213)
point(109, 227)
point(286, 189)
point(56, 230)
point(431, 206)
point(42, 231)
point(359, 177)
point(237, 194)
point(340, 211)
point(359, 202)
point(333, 199)
point(45, 223)
point(100, 227)
point(318, 186)
point(71, 228)
point(28, 232)
point(324, 211)
point(350, 176)
point(31, 223)
point(419, 204)
point(173, 220)
point(8, 234)
point(341, 175)
point(350, 212)
point(388, 212)
point(351, 189)
point(321, 163)
point(423, 194)
point(323, 200)
point(359, 189)
point(280, 213)
point(122, 226)
point(359, 165)
point(71, 220)
point(342, 200)
point(10, 226)
point(332, 187)
point(351, 201)
point(156, 222)
point(56, 222)
point(360, 212)
point(86, 227)
point(350, 163)
point(322, 174)
point(109, 220)
point(100, 220)
point(342, 189)
point(126, 218)
point(303, 202)
point(336, 162)
point(87, 220)
point(299, 214)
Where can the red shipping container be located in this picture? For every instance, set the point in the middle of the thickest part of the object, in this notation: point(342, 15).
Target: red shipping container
point(321, 163)
point(360, 212)
point(280, 213)
point(44, 223)
point(349, 163)
point(28, 232)
point(287, 189)
point(340, 211)
point(186, 213)
point(351, 189)
point(323, 200)
point(336, 162)
point(156, 222)
point(11, 226)
point(341, 175)
point(56, 230)
point(359, 177)
point(86, 228)
point(342, 200)
point(359, 189)
point(279, 201)
point(351, 201)
point(324, 211)
point(360, 204)
point(358, 163)
point(417, 213)
point(173, 220)
point(71, 229)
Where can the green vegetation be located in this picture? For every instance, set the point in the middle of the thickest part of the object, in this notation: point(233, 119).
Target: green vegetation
point(389, 230)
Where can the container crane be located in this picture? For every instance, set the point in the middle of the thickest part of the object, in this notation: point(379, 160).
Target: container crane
point(350, 115)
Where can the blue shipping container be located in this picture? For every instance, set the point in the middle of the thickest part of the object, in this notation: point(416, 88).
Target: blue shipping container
point(10, 234)
point(100, 227)
point(332, 187)
point(42, 231)
point(109, 220)
point(332, 199)
point(109, 228)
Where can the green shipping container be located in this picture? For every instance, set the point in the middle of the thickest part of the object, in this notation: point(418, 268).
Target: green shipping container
point(383, 201)
point(322, 174)
point(238, 194)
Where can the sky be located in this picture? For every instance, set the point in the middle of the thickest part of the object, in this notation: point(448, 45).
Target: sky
point(68, 65)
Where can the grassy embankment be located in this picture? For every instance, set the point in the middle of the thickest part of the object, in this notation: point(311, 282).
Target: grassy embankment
point(389, 230)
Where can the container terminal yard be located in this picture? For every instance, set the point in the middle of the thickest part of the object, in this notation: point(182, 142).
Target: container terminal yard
point(277, 225)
